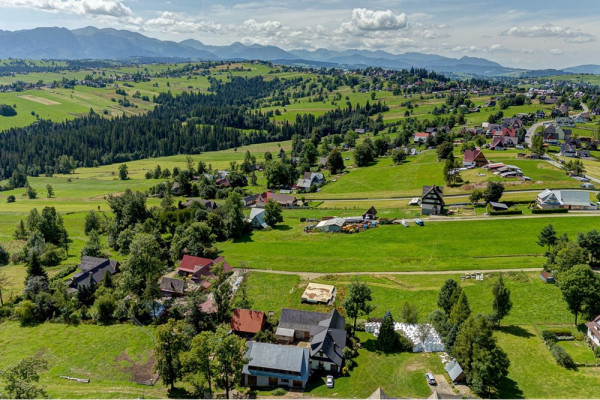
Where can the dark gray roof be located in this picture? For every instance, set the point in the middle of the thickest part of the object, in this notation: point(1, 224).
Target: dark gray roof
point(172, 285)
point(94, 268)
point(208, 204)
point(326, 330)
point(305, 320)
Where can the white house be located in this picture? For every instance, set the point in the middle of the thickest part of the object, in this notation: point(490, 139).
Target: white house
point(570, 199)
point(593, 331)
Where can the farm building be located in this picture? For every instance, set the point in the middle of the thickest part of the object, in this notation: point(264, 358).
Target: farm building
point(318, 293)
point(370, 214)
point(432, 200)
point(498, 206)
point(171, 287)
point(331, 225)
point(546, 277)
point(257, 218)
point(593, 331)
point(455, 371)
point(474, 158)
point(282, 199)
point(569, 199)
point(247, 322)
point(93, 270)
point(276, 365)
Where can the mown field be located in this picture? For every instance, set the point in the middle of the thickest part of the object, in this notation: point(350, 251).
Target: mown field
point(107, 355)
point(438, 246)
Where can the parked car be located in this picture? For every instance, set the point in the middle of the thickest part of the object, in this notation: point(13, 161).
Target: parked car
point(519, 147)
point(329, 381)
point(430, 378)
point(587, 185)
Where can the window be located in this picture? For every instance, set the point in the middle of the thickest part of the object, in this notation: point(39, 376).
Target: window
point(284, 380)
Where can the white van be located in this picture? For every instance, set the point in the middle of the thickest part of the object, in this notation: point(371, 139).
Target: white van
point(430, 378)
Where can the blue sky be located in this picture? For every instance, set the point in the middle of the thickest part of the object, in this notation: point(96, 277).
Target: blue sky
point(527, 33)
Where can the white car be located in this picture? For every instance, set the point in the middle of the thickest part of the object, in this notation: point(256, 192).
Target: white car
point(587, 185)
point(430, 378)
point(329, 381)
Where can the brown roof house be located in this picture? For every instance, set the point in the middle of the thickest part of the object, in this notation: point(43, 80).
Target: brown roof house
point(474, 158)
point(200, 269)
point(247, 322)
point(432, 200)
point(171, 287)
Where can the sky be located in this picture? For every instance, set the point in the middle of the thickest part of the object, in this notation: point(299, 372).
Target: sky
point(535, 34)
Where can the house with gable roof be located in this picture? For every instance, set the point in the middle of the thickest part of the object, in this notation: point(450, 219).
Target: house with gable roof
point(275, 365)
point(569, 199)
point(92, 271)
point(593, 331)
point(199, 269)
point(474, 158)
point(432, 200)
point(325, 332)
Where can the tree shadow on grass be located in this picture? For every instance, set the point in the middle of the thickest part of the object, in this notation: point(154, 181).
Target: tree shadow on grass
point(516, 331)
point(509, 389)
point(282, 227)
point(246, 238)
point(179, 393)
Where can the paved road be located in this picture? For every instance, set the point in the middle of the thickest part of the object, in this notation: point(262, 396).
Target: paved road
point(314, 275)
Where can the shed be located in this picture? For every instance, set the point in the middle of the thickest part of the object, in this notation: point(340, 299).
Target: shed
point(546, 277)
point(247, 321)
point(318, 293)
point(331, 225)
point(455, 371)
point(257, 218)
point(498, 206)
point(371, 213)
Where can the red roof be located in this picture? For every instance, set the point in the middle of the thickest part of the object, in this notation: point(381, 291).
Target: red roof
point(189, 263)
point(471, 155)
point(208, 307)
point(247, 321)
point(422, 134)
point(202, 267)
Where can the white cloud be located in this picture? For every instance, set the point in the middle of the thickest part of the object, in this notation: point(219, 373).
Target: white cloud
point(263, 28)
point(168, 22)
point(549, 30)
point(370, 20)
point(112, 8)
point(556, 52)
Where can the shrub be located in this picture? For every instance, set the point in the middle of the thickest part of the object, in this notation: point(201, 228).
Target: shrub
point(597, 352)
point(348, 353)
point(279, 392)
point(551, 211)
point(562, 357)
point(24, 312)
point(549, 337)
point(303, 219)
point(404, 343)
point(64, 272)
point(506, 212)
point(360, 325)
point(10, 199)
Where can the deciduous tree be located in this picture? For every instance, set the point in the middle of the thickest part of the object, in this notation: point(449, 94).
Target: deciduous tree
point(170, 343)
point(357, 301)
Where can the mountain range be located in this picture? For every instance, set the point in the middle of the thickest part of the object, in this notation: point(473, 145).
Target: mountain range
point(94, 43)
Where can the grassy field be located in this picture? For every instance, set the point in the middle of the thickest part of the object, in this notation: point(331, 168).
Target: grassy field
point(533, 372)
point(534, 301)
point(107, 355)
point(438, 246)
point(400, 375)
point(384, 179)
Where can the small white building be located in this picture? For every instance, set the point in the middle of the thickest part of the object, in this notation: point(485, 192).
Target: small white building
point(331, 225)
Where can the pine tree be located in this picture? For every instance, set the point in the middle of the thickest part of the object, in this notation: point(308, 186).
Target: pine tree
point(448, 295)
point(34, 267)
point(460, 310)
point(387, 339)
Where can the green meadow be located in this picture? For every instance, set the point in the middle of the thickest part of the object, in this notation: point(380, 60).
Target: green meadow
point(438, 246)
